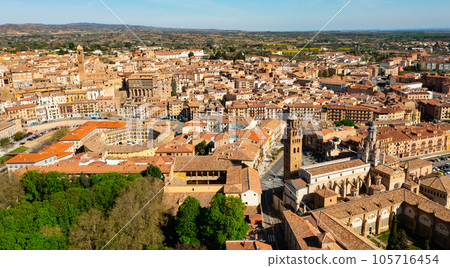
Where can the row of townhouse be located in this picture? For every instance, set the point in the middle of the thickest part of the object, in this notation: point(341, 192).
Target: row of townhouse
point(34, 114)
point(256, 110)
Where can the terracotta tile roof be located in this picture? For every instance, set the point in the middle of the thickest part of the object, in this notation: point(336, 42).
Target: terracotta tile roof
point(59, 148)
point(200, 163)
point(387, 169)
point(299, 183)
point(390, 159)
point(240, 180)
point(307, 235)
point(385, 199)
point(335, 167)
point(346, 237)
point(75, 165)
point(176, 148)
point(29, 158)
point(82, 131)
point(417, 163)
point(325, 192)
point(441, 183)
point(247, 245)
point(20, 107)
point(238, 151)
point(79, 133)
point(271, 123)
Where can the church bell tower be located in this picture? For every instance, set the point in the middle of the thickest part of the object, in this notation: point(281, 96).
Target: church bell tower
point(80, 60)
point(292, 148)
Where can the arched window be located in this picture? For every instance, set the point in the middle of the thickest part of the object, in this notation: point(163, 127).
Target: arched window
point(441, 234)
point(442, 229)
point(357, 225)
point(410, 212)
point(371, 223)
point(425, 220)
point(384, 218)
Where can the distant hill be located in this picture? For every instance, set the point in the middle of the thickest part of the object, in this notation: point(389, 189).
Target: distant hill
point(92, 28)
point(33, 29)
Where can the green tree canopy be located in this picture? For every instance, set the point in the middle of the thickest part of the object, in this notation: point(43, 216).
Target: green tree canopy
point(57, 135)
point(397, 238)
point(4, 141)
point(52, 205)
point(18, 136)
point(392, 239)
point(152, 171)
point(223, 220)
point(345, 122)
point(202, 148)
point(186, 222)
point(173, 84)
point(89, 232)
point(145, 229)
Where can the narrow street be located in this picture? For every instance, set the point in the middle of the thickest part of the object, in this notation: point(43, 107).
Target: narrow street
point(270, 181)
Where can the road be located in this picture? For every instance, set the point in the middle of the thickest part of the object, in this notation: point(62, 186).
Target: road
point(273, 231)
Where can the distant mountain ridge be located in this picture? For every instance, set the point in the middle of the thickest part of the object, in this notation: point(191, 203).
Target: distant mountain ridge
point(86, 27)
point(37, 28)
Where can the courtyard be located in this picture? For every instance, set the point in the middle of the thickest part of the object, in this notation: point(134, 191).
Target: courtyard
point(415, 241)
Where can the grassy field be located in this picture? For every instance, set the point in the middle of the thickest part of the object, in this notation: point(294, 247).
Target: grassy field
point(4, 158)
point(295, 51)
point(383, 237)
point(20, 149)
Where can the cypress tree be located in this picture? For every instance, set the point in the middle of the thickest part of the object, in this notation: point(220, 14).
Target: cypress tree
point(393, 236)
point(402, 240)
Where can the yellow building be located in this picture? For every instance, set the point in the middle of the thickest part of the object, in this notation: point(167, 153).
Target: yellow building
point(75, 95)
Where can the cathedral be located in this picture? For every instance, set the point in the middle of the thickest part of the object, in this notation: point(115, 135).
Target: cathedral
point(358, 195)
point(370, 172)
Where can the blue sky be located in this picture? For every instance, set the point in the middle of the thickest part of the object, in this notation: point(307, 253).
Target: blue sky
point(263, 15)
